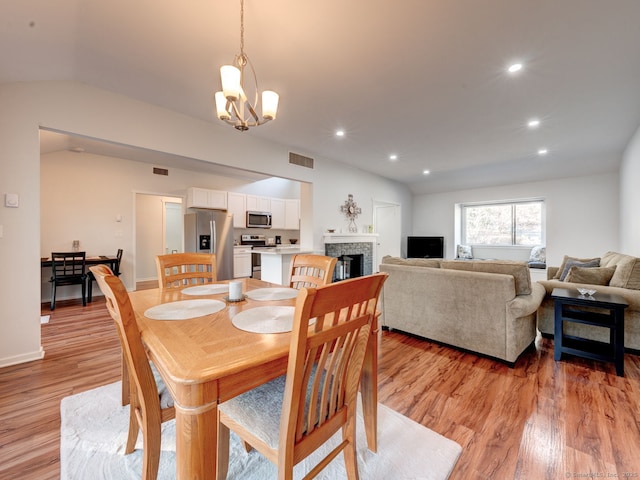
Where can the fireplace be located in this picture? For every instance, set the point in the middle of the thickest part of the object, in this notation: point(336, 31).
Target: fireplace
point(355, 253)
point(348, 266)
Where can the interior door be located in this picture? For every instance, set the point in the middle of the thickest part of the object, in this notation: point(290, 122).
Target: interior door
point(388, 225)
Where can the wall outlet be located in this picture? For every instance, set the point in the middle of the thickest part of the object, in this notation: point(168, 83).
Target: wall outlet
point(11, 200)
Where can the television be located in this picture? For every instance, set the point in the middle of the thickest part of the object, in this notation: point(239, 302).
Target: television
point(425, 247)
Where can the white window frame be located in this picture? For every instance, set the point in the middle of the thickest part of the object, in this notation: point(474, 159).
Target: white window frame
point(463, 235)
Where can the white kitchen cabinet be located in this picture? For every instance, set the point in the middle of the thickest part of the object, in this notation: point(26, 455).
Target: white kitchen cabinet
point(278, 213)
point(256, 203)
point(241, 262)
point(237, 204)
point(206, 198)
point(292, 214)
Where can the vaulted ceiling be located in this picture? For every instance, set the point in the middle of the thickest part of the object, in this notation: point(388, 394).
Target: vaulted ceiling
point(425, 80)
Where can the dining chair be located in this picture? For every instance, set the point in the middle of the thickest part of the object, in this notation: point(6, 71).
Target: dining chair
point(289, 417)
point(68, 268)
point(311, 270)
point(150, 402)
point(91, 277)
point(181, 269)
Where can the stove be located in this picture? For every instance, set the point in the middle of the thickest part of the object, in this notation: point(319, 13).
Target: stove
point(256, 241)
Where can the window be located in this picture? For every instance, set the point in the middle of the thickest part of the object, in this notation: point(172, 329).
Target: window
point(512, 223)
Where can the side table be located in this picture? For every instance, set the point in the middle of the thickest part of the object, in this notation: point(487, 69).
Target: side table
point(605, 310)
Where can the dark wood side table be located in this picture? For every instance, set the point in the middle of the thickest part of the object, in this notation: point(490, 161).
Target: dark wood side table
point(605, 310)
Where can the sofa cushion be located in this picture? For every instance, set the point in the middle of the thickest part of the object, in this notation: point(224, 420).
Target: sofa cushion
point(590, 275)
point(519, 270)
point(627, 274)
point(563, 270)
point(571, 263)
point(414, 262)
point(464, 251)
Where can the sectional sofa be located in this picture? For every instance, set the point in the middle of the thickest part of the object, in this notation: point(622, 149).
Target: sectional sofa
point(487, 307)
point(614, 273)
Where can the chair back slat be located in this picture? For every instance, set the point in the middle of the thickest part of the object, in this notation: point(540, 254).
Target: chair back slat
point(177, 270)
point(68, 264)
point(308, 270)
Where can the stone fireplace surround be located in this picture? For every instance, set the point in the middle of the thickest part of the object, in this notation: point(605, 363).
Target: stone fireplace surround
point(337, 244)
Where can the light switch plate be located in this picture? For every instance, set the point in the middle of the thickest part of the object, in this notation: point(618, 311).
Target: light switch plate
point(11, 200)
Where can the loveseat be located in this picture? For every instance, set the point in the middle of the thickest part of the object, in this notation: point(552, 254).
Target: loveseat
point(488, 307)
point(613, 273)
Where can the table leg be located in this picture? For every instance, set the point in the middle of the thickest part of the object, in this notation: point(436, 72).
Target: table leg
point(617, 340)
point(557, 332)
point(196, 442)
point(369, 389)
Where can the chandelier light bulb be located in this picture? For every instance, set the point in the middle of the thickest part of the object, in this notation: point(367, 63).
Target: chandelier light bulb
point(221, 106)
point(269, 104)
point(230, 77)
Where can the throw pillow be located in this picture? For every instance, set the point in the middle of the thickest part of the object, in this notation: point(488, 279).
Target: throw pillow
point(590, 275)
point(570, 263)
point(566, 258)
point(538, 254)
point(465, 251)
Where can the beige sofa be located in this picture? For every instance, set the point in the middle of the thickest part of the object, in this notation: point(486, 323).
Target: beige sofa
point(488, 307)
point(616, 273)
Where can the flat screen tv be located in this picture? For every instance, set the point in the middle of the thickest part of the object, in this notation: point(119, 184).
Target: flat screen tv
point(425, 247)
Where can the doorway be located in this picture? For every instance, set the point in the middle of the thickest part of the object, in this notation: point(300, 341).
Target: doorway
point(388, 225)
point(158, 230)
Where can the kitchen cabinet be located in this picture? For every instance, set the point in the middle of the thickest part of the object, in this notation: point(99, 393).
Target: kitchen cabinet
point(258, 204)
point(277, 213)
point(237, 204)
point(292, 214)
point(206, 198)
point(241, 262)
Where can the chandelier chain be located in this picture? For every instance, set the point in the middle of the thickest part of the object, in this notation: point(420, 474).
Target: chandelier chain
point(242, 28)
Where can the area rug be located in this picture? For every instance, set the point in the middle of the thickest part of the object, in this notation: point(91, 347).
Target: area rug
point(94, 432)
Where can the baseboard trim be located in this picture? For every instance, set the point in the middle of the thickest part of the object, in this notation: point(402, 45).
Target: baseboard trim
point(23, 358)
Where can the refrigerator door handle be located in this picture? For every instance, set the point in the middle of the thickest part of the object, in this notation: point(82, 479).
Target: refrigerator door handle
point(214, 238)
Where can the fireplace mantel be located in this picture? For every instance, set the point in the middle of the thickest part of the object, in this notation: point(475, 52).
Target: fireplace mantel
point(350, 237)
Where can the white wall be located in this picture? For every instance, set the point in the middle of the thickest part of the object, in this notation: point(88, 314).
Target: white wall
point(582, 213)
point(80, 109)
point(630, 197)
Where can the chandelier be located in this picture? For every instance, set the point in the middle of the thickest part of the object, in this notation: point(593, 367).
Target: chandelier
point(232, 104)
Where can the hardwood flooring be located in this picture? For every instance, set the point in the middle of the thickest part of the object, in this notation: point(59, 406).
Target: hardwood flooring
point(539, 420)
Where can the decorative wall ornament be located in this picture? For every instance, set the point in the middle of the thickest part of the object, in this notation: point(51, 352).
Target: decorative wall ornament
point(351, 211)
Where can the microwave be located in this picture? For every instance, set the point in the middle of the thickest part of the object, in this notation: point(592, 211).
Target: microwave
point(258, 219)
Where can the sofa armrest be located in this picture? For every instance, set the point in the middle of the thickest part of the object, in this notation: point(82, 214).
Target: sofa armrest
point(551, 272)
point(524, 305)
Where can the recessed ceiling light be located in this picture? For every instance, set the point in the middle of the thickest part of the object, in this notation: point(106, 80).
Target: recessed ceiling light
point(543, 151)
point(533, 123)
point(516, 67)
point(426, 172)
point(393, 157)
point(340, 133)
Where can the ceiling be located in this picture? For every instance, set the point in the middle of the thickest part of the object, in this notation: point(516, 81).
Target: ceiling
point(423, 79)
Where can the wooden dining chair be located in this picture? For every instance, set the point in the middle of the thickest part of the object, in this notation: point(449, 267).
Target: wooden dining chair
point(150, 402)
point(311, 270)
point(68, 268)
point(91, 278)
point(317, 396)
point(182, 269)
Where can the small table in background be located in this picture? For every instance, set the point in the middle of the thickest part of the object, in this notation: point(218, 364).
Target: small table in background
point(605, 310)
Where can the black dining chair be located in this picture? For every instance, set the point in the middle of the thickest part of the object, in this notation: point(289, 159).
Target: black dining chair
point(68, 268)
point(115, 268)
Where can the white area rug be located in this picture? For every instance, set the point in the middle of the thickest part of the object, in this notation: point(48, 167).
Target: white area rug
point(94, 432)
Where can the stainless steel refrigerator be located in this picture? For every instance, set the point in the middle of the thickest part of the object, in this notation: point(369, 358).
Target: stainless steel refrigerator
point(211, 231)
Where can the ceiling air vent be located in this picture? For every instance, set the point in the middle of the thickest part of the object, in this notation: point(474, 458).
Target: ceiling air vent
point(160, 171)
point(301, 160)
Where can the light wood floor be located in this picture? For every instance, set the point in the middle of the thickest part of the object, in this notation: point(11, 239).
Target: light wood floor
point(539, 420)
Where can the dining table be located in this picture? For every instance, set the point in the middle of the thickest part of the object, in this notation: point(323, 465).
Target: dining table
point(205, 359)
point(109, 260)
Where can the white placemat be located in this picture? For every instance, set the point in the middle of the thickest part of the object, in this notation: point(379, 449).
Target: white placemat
point(278, 293)
point(206, 289)
point(270, 319)
point(184, 309)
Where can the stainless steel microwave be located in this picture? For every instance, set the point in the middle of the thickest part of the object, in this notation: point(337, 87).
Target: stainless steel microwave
point(258, 219)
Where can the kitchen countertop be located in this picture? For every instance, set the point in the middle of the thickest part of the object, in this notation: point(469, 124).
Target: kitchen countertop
point(283, 250)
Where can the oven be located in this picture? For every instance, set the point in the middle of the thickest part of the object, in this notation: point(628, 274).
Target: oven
point(255, 241)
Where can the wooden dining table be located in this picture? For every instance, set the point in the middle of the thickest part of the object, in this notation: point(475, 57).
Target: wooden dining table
point(207, 360)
